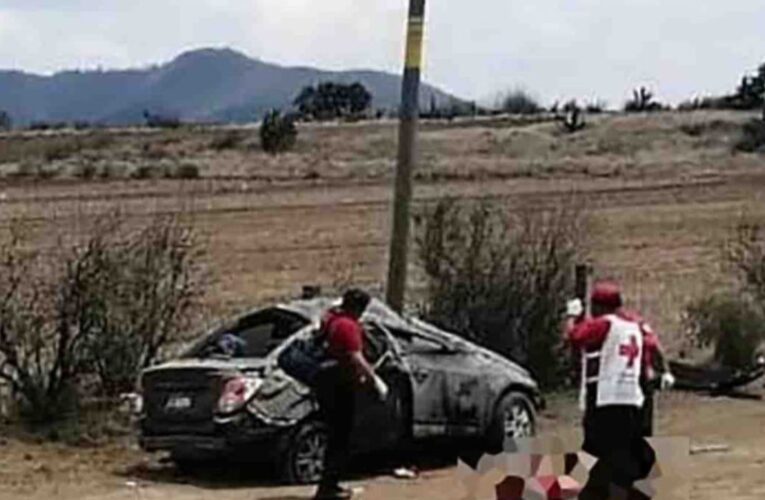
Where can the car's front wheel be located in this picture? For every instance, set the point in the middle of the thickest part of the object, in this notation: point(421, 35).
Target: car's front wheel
point(514, 418)
point(302, 459)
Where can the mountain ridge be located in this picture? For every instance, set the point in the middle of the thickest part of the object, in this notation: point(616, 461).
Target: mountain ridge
point(201, 85)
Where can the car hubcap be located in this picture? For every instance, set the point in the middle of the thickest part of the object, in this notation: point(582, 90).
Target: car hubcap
point(518, 422)
point(309, 458)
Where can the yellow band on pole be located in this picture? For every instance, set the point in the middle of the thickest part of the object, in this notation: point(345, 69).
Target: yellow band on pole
point(414, 41)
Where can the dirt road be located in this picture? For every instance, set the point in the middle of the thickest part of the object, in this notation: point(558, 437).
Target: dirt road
point(120, 472)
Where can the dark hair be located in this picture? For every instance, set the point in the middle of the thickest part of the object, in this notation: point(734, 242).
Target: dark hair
point(355, 301)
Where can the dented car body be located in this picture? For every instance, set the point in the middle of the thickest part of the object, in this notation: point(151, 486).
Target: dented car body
point(211, 403)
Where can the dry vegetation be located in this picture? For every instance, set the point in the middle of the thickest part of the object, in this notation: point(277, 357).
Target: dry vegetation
point(663, 190)
point(663, 187)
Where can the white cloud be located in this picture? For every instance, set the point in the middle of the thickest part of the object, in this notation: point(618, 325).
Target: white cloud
point(557, 48)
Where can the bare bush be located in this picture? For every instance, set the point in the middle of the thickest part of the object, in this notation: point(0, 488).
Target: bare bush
point(642, 101)
point(87, 319)
point(732, 322)
point(184, 171)
point(228, 140)
point(752, 138)
point(152, 285)
point(501, 279)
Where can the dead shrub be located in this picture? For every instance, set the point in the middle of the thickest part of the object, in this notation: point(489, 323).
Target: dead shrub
point(86, 171)
point(229, 140)
point(732, 322)
point(752, 138)
point(502, 279)
point(184, 171)
point(84, 320)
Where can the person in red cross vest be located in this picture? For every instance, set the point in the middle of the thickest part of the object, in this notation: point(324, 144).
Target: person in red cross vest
point(613, 346)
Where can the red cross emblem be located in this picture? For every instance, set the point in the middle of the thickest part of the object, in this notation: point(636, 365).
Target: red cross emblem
point(631, 350)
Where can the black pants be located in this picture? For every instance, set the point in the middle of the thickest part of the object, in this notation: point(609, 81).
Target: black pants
point(336, 395)
point(646, 412)
point(612, 434)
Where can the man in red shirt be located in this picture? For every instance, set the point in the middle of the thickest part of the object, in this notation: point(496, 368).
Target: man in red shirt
point(615, 347)
point(337, 384)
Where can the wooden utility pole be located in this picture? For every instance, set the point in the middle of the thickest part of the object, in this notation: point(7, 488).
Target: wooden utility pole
point(402, 196)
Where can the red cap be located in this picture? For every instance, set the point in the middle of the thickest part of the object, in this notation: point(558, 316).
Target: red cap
point(606, 294)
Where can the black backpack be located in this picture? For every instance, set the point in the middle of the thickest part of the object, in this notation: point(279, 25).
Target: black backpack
point(304, 358)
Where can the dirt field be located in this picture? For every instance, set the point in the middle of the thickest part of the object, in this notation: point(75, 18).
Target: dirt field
point(663, 192)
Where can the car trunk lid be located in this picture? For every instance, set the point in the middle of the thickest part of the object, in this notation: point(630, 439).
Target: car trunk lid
point(181, 397)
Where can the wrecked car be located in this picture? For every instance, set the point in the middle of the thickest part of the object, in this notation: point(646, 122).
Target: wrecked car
point(227, 395)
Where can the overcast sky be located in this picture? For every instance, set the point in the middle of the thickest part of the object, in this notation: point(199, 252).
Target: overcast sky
point(555, 48)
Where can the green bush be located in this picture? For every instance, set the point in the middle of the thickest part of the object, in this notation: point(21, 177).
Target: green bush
point(278, 133)
point(502, 280)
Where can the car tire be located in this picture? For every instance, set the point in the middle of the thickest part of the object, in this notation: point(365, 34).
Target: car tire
point(514, 417)
point(302, 456)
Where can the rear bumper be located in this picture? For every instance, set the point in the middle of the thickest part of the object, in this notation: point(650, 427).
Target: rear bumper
point(189, 444)
point(239, 435)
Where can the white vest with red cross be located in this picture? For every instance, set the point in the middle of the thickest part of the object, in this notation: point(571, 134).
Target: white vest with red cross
point(618, 378)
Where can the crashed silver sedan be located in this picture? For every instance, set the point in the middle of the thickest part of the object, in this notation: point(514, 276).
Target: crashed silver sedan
point(217, 401)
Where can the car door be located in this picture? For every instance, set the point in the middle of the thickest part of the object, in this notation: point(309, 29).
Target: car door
point(381, 424)
point(445, 386)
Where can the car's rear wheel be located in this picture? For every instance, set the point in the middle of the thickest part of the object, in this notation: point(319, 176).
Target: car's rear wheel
point(302, 460)
point(514, 418)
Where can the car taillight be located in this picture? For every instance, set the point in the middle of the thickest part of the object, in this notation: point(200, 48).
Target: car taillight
point(236, 393)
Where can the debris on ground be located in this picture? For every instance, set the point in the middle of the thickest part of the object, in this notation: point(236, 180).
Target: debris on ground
point(405, 473)
point(710, 448)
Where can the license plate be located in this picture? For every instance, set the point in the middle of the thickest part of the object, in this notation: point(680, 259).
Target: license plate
point(176, 403)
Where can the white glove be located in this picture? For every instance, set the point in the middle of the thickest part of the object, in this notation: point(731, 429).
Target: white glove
point(381, 387)
point(667, 381)
point(574, 308)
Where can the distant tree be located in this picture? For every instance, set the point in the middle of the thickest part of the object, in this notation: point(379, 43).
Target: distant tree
point(5, 121)
point(278, 133)
point(520, 102)
point(596, 107)
point(160, 121)
point(642, 101)
point(359, 98)
point(751, 92)
point(329, 101)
